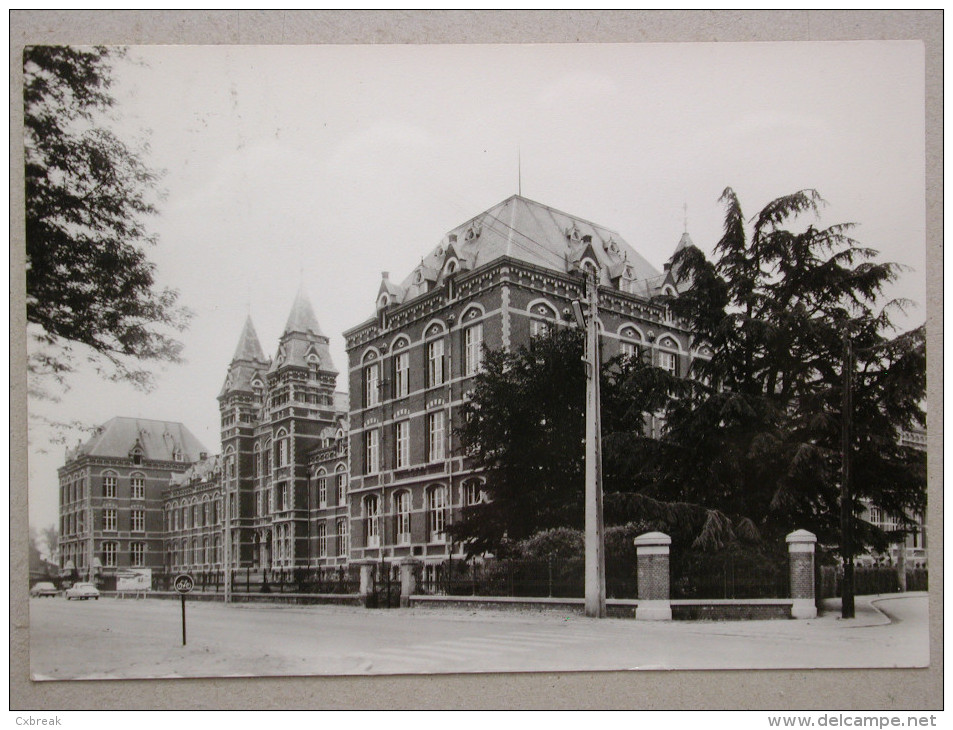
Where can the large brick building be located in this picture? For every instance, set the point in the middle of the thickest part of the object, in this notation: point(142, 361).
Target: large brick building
point(112, 493)
point(496, 280)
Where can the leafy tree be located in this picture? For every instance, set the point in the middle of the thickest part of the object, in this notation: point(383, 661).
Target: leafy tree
point(757, 430)
point(91, 292)
point(525, 426)
point(751, 446)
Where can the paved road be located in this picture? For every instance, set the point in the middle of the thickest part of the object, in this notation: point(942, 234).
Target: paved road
point(113, 638)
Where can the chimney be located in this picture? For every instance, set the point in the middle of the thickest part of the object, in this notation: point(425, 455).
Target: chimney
point(385, 275)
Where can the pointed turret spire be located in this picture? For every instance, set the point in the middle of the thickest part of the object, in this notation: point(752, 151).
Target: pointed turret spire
point(302, 317)
point(249, 348)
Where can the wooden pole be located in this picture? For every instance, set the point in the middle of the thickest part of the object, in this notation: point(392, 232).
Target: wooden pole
point(846, 500)
point(595, 576)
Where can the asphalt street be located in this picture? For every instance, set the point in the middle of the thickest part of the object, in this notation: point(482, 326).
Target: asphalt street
point(113, 638)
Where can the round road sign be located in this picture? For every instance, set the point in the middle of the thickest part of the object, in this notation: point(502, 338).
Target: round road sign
point(183, 583)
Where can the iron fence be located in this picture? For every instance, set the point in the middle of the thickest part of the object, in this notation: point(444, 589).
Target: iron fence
point(734, 575)
point(545, 578)
point(870, 581)
point(341, 580)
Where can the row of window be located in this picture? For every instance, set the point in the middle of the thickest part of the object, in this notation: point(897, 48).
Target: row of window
point(436, 513)
point(110, 552)
point(197, 514)
point(436, 362)
point(436, 443)
point(137, 486)
point(137, 520)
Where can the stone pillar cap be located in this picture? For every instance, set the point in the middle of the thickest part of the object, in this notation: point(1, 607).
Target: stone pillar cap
point(653, 538)
point(801, 536)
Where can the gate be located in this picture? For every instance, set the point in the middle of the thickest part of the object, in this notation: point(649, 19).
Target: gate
point(385, 591)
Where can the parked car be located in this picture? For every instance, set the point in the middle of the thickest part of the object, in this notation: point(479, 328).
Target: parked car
point(44, 589)
point(82, 592)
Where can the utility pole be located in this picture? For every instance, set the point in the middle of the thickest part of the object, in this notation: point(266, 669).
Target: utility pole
point(846, 499)
point(227, 516)
point(595, 543)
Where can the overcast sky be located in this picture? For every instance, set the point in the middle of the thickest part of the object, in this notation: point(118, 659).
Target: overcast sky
point(326, 165)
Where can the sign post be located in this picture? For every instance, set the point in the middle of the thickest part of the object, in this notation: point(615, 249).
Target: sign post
point(183, 583)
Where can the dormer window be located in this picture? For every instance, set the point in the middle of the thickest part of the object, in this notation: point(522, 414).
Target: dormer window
point(450, 267)
point(136, 455)
point(383, 301)
point(177, 454)
point(313, 362)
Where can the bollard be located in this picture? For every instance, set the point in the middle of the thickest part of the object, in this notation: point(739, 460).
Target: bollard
point(801, 558)
point(652, 551)
point(367, 579)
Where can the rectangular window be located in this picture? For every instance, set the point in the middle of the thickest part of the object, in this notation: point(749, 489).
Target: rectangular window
point(667, 361)
point(372, 522)
point(472, 349)
point(372, 451)
point(436, 515)
point(322, 540)
point(281, 457)
point(402, 443)
point(472, 493)
point(109, 519)
point(371, 385)
point(138, 520)
point(109, 487)
point(258, 504)
point(401, 375)
point(342, 537)
point(322, 492)
point(138, 487)
point(629, 349)
point(402, 517)
point(435, 363)
point(539, 328)
point(137, 553)
point(436, 434)
point(109, 554)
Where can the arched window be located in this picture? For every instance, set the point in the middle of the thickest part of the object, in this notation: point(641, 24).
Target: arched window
point(282, 450)
point(341, 484)
point(137, 486)
point(436, 513)
point(372, 526)
point(542, 318)
point(109, 484)
point(473, 493)
point(322, 481)
point(668, 354)
point(630, 342)
point(402, 517)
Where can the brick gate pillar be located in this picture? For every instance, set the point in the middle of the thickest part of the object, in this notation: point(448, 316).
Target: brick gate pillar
point(801, 558)
point(409, 572)
point(651, 551)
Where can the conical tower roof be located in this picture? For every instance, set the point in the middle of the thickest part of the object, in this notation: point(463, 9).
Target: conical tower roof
point(302, 317)
point(249, 348)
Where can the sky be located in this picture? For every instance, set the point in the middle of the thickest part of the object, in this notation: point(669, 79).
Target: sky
point(322, 166)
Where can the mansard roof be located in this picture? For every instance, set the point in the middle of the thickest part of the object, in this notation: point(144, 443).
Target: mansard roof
point(159, 440)
point(536, 234)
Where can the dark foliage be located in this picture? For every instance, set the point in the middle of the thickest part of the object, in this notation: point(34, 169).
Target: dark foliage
point(91, 291)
